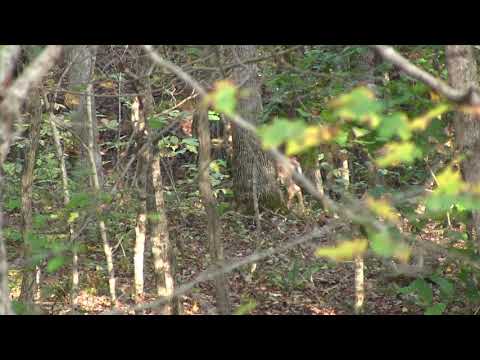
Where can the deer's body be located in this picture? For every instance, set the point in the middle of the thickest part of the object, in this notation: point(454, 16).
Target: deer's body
point(285, 176)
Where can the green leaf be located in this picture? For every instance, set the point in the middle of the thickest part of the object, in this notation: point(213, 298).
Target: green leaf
point(447, 289)
point(246, 308)
point(383, 245)
point(359, 105)
point(223, 98)
point(157, 122)
point(279, 131)
point(19, 308)
point(55, 264)
point(12, 234)
point(79, 201)
point(213, 116)
point(191, 144)
point(436, 309)
point(424, 291)
point(393, 125)
point(13, 204)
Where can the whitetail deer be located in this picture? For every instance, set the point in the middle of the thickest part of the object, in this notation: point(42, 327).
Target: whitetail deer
point(285, 176)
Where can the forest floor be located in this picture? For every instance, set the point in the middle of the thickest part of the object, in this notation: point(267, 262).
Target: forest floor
point(293, 282)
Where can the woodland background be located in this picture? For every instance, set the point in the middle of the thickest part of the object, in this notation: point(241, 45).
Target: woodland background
point(239, 179)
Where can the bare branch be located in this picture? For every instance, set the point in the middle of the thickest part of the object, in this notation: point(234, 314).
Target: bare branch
point(469, 96)
point(32, 75)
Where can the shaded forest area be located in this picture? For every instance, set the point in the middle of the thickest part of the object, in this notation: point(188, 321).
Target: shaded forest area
point(239, 179)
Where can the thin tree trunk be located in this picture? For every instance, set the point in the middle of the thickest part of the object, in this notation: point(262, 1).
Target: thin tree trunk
point(139, 122)
point(209, 201)
point(30, 272)
point(162, 248)
point(311, 164)
point(462, 73)
point(66, 200)
point(98, 187)
point(367, 64)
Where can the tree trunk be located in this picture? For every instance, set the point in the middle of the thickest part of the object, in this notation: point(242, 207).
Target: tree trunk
point(367, 65)
point(30, 272)
point(87, 109)
point(209, 201)
point(139, 122)
point(462, 73)
point(247, 152)
point(66, 200)
point(162, 247)
point(311, 164)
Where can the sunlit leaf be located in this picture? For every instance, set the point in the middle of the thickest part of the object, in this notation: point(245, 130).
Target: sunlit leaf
point(224, 97)
point(396, 153)
point(359, 105)
point(422, 122)
point(347, 250)
point(450, 182)
point(311, 136)
point(73, 216)
point(279, 131)
point(213, 116)
point(382, 208)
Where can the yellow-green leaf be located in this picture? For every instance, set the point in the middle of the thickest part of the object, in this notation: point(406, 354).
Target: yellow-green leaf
point(396, 153)
point(347, 250)
point(224, 97)
point(450, 182)
point(382, 208)
point(72, 217)
point(312, 136)
point(421, 122)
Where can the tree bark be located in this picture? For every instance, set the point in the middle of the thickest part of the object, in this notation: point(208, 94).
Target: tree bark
point(462, 74)
point(209, 201)
point(162, 246)
point(247, 152)
point(139, 120)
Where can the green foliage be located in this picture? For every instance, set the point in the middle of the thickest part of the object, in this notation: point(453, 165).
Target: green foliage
point(246, 307)
point(224, 97)
point(423, 293)
point(157, 122)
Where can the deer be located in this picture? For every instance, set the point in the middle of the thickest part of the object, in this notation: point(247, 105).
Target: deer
point(285, 177)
